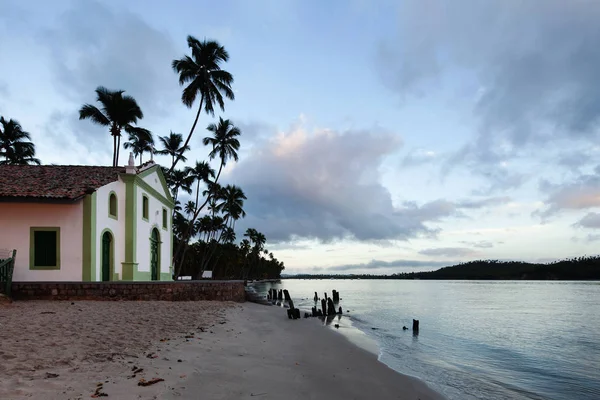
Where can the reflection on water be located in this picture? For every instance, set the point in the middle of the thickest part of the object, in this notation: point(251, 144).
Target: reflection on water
point(477, 340)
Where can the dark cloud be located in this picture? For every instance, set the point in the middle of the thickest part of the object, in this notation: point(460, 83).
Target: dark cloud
point(375, 264)
point(590, 220)
point(449, 252)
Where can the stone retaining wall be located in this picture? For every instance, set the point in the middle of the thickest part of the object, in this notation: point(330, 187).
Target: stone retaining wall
point(169, 291)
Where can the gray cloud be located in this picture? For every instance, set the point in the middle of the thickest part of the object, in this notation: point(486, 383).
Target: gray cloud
point(92, 45)
point(448, 252)
point(482, 244)
point(534, 69)
point(581, 193)
point(325, 185)
point(486, 202)
point(592, 237)
point(322, 185)
point(532, 60)
point(375, 264)
point(590, 220)
point(4, 92)
point(419, 157)
point(574, 160)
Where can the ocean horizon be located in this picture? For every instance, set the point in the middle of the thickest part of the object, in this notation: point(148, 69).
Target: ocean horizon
point(477, 339)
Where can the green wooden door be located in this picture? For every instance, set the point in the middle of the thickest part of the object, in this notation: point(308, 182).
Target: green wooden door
point(106, 247)
point(154, 255)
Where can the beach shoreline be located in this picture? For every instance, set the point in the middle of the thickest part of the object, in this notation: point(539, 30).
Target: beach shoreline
point(237, 351)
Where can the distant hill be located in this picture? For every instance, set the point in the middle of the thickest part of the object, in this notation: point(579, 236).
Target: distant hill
point(581, 268)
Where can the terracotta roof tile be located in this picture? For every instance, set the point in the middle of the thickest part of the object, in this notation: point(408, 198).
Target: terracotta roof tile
point(66, 182)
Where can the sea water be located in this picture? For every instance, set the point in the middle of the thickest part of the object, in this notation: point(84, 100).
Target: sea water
point(477, 339)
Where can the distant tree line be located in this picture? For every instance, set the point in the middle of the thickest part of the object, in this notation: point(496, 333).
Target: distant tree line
point(579, 268)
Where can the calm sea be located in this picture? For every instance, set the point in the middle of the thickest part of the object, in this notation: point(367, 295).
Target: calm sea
point(477, 339)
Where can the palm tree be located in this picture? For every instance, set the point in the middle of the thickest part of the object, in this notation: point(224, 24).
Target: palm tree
point(258, 240)
point(224, 142)
point(189, 207)
point(201, 173)
point(140, 141)
point(232, 203)
point(206, 79)
point(173, 145)
point(118, 112)
point(15, 145)
point(228, 235)
point(179, 180)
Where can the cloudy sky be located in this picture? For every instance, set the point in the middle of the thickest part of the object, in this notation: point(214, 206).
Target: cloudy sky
point(378, 136)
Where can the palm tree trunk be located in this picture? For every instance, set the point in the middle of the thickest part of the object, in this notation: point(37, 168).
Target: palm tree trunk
point(114, 161)
point(197, 192)
point(219, 173)
point(187, 141)
point(118, 149)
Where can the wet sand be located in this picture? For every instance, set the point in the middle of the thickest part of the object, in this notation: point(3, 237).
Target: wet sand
point(208, 350)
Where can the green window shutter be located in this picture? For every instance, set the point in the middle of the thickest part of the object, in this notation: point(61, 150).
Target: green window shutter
point(164, 218)
point(45, 250)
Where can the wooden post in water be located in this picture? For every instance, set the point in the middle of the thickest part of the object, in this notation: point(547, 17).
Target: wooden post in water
point(280, 295)
point(340, 311)
point(336, 296)
point(316, 298)
point(415, 325)
point(330, 307)
point(291, 312)
point(324, 307)
point(286, 294)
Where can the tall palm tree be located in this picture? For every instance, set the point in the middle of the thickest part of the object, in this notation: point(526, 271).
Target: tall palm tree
point(201, 173)
point(258, 241)
point(232, 204)
point(205, 77)
point(118, 112)
point(172, 146)
point(224, 142)
point(15, 145)
point(140, 141)
point(179, 180)
point(190, 207)
point(228, 235)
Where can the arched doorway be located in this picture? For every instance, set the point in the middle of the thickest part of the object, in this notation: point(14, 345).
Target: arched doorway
point(107, 257)
point(155, 255)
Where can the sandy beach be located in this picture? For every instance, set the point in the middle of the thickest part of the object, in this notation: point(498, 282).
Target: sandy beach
point(209, 350)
